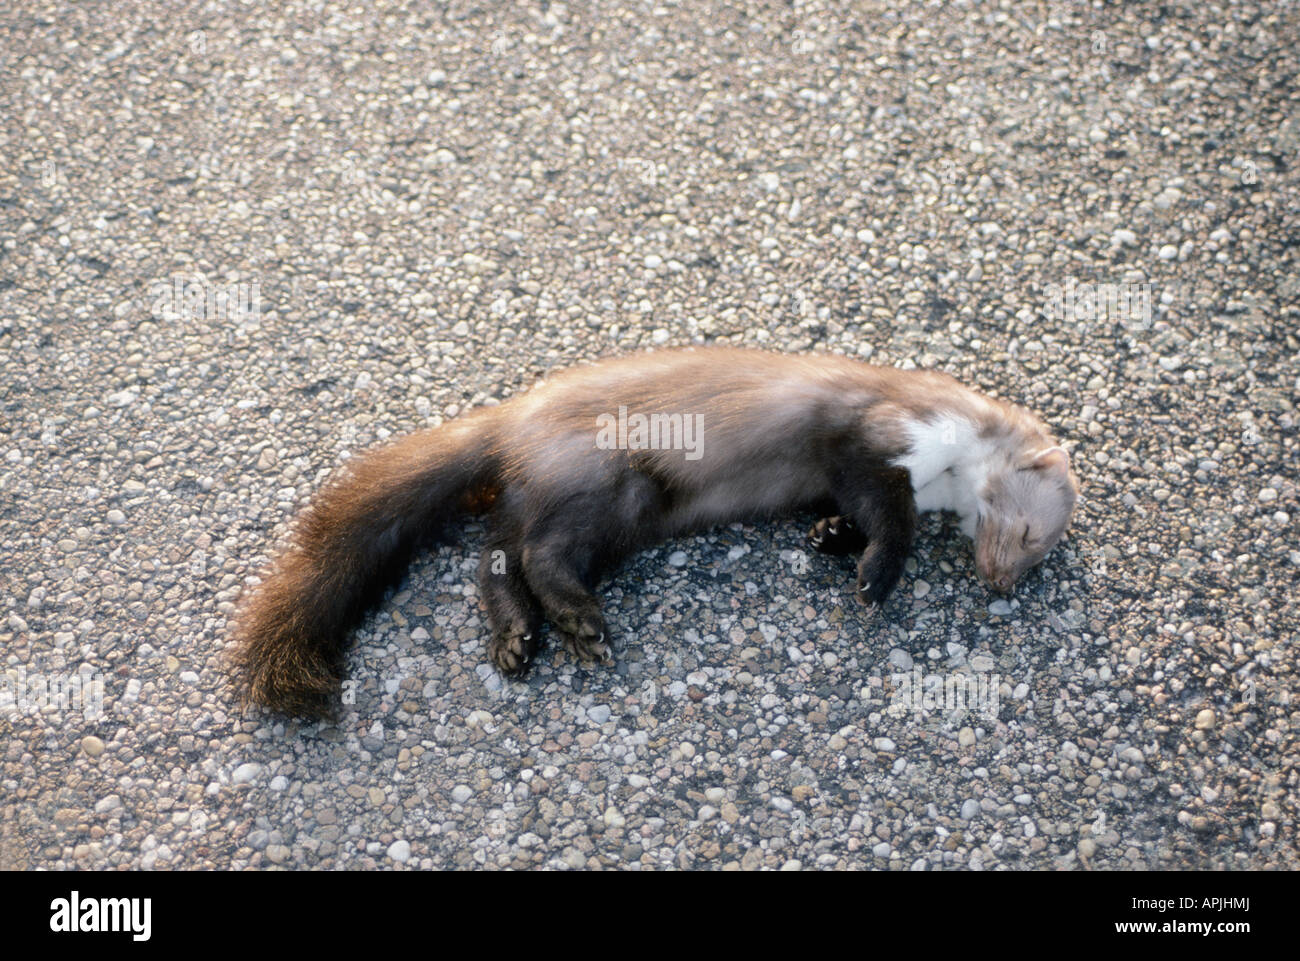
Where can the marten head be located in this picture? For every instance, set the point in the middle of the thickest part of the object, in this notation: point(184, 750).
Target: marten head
point(1024, 509)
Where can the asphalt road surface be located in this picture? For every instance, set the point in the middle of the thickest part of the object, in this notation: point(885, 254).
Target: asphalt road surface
point(241, 242)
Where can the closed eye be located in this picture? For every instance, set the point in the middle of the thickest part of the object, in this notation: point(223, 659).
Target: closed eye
point(1025, 541)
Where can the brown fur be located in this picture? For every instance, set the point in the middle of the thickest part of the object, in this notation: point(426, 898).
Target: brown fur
point(350, 544)
point(781, 433)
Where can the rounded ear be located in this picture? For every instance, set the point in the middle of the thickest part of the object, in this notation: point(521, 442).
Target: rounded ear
point(1051, 459)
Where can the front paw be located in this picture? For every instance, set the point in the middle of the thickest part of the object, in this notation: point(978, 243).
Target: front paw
point(878, 573)
point(836, 535)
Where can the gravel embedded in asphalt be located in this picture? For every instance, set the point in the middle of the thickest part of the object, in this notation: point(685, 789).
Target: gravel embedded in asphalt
point(432, 206)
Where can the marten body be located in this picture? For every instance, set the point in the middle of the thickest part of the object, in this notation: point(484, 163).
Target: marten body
point(603, 460)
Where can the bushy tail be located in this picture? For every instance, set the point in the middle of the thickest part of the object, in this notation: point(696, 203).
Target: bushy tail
point(351, 543)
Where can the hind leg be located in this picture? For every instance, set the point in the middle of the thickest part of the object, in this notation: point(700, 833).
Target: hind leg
point(568, 547)
point(562, 572)
point(513, 613)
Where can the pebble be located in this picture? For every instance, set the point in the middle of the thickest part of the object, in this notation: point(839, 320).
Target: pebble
point(108, 804)
point(900, 659)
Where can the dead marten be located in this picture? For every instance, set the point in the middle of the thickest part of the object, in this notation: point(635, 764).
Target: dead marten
point(603, 460)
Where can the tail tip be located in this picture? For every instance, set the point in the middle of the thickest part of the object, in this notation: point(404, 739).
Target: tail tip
point(285, 686)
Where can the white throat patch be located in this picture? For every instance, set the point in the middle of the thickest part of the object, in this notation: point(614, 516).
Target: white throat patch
point(949, 463)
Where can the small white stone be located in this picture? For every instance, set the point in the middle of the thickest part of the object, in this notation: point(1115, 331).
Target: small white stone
point(110, 803)
point(900, 659)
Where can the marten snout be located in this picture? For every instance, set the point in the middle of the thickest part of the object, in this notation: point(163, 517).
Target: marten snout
point(1001, 582)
